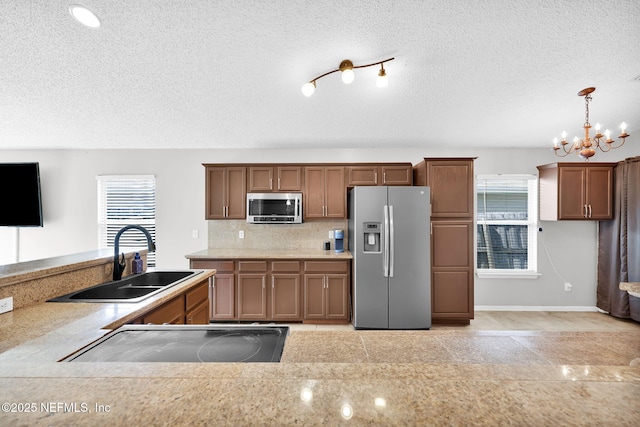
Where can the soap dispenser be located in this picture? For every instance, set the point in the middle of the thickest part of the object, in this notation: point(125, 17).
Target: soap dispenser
point(136, 264)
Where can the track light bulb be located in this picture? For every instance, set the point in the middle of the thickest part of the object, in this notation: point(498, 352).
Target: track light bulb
point(308, 88)
point(348, 76)
point(382, 80)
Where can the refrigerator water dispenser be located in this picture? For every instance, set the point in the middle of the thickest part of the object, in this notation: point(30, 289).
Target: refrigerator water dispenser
point(371, 237)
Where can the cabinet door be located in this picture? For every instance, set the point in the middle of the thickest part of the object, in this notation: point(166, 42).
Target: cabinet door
point(237, 193)
point(215, 198)
point(451, 183)
point(362, 175)
point(452, 269)
point(260, 178)
point(599, 192)
point(337, 300)
point(335, 193)
point(314, 191)
point(397, 175)
point(314, 296)
point(289, 178)
point(252, 296)
point(572, 202)
point(199, 315)
point(223, 298)
point(285, 296)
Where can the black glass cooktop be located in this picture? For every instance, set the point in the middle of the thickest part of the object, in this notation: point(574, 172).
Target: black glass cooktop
point(187, 343)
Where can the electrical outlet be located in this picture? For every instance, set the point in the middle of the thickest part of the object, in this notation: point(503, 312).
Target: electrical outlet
point(6, 304)
point(331, 234)
point(241, 234)
point(567, 286)
point(194, 234)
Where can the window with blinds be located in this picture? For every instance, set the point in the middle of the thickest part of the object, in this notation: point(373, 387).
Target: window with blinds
point(125, 200)
point(506, 221)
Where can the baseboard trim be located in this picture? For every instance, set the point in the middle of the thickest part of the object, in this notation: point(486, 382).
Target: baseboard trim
point(535, 308)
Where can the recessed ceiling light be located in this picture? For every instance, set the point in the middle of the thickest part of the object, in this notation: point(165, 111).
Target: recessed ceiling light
point(84, 16)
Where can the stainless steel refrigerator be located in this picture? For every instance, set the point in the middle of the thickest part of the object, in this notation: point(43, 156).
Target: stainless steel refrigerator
point(389, 238)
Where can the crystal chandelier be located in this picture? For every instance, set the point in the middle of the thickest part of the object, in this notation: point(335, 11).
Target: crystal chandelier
point(586, 147)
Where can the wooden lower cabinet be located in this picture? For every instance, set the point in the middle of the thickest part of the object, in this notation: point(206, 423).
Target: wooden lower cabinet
point(326, 297)
point(288, 290)
point(252, 296)
point(191, 307)
point(326, 291)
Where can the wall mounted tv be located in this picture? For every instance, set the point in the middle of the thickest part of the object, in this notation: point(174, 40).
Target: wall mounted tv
point(20, 195)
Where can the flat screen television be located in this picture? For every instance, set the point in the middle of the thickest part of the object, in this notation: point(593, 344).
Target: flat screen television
point(20, 200)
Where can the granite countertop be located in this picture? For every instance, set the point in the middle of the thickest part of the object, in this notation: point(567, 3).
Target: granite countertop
point(49, 331)
point(239, 253)
point(22, 271)
point(630, 287)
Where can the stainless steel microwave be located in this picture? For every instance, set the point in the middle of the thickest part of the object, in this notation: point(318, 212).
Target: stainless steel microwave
point(274, 208)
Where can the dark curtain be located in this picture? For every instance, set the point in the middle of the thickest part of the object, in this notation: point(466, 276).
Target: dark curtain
point(619, 241)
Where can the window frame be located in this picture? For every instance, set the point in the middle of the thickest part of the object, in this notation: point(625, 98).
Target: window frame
point(532, 222)
point(132, 238)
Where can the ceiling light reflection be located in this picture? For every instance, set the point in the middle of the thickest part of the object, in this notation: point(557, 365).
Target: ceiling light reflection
point(306, 395)
point(84, 16)
point(346, 411)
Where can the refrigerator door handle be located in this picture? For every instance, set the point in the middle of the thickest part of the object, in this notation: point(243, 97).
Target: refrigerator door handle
point(386, 241)
point(392, 241)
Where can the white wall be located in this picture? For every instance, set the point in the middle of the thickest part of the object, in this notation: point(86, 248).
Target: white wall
point(70, 208)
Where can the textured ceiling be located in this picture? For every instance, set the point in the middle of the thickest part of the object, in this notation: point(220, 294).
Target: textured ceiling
point(214, 74)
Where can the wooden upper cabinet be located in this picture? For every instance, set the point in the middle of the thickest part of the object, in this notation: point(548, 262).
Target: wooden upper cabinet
point(375, 174)
point(225, 192)
point(325, 193)
point(576, 191)
point(451, 184)
point(275, 178)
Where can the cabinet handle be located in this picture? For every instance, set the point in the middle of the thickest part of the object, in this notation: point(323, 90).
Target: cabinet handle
point(278, 183)
point(273, 284)
point(586, 215)
point(384, 178)
point(270, 183)
point(589, 211)
point(375, 178)
point(263, 286)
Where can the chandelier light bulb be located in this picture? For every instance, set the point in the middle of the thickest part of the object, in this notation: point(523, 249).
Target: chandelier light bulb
point(623, 127)
point(555, 141)
point(564, 135)
point(308, 88)
point(607, 133)
point(348, 76)
point(84, 16)
point(598, 127)
point(382, 80)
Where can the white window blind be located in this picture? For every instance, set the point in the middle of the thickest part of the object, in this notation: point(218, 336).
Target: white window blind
point(506, 221)
point(127, 200)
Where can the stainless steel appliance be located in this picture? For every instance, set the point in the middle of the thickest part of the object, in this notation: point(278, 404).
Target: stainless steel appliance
point(274, 208)
point(187, 343)
point(389, 238)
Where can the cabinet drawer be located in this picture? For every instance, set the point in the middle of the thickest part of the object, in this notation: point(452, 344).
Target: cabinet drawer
point(326, 266)
point(278, 266)
point(252, 265)
point(197, 295)
point(218, 265)
point(170, 312)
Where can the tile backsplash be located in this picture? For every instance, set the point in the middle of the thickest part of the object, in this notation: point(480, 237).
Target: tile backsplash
point(308, 235)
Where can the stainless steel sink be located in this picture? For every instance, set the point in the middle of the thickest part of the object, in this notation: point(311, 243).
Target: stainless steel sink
point(132, 288)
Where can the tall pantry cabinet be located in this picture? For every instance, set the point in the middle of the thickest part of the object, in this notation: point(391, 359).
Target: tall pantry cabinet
point(452, 233)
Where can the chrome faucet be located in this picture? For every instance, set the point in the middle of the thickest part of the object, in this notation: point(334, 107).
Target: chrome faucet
point(118, 267)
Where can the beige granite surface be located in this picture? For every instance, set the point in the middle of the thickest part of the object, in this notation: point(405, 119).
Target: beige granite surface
point(630, 287)
point(49, 331)
point(450, 377)
point(240, 253)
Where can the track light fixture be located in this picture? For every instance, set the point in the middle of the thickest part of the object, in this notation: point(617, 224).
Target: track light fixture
point(346, 68)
